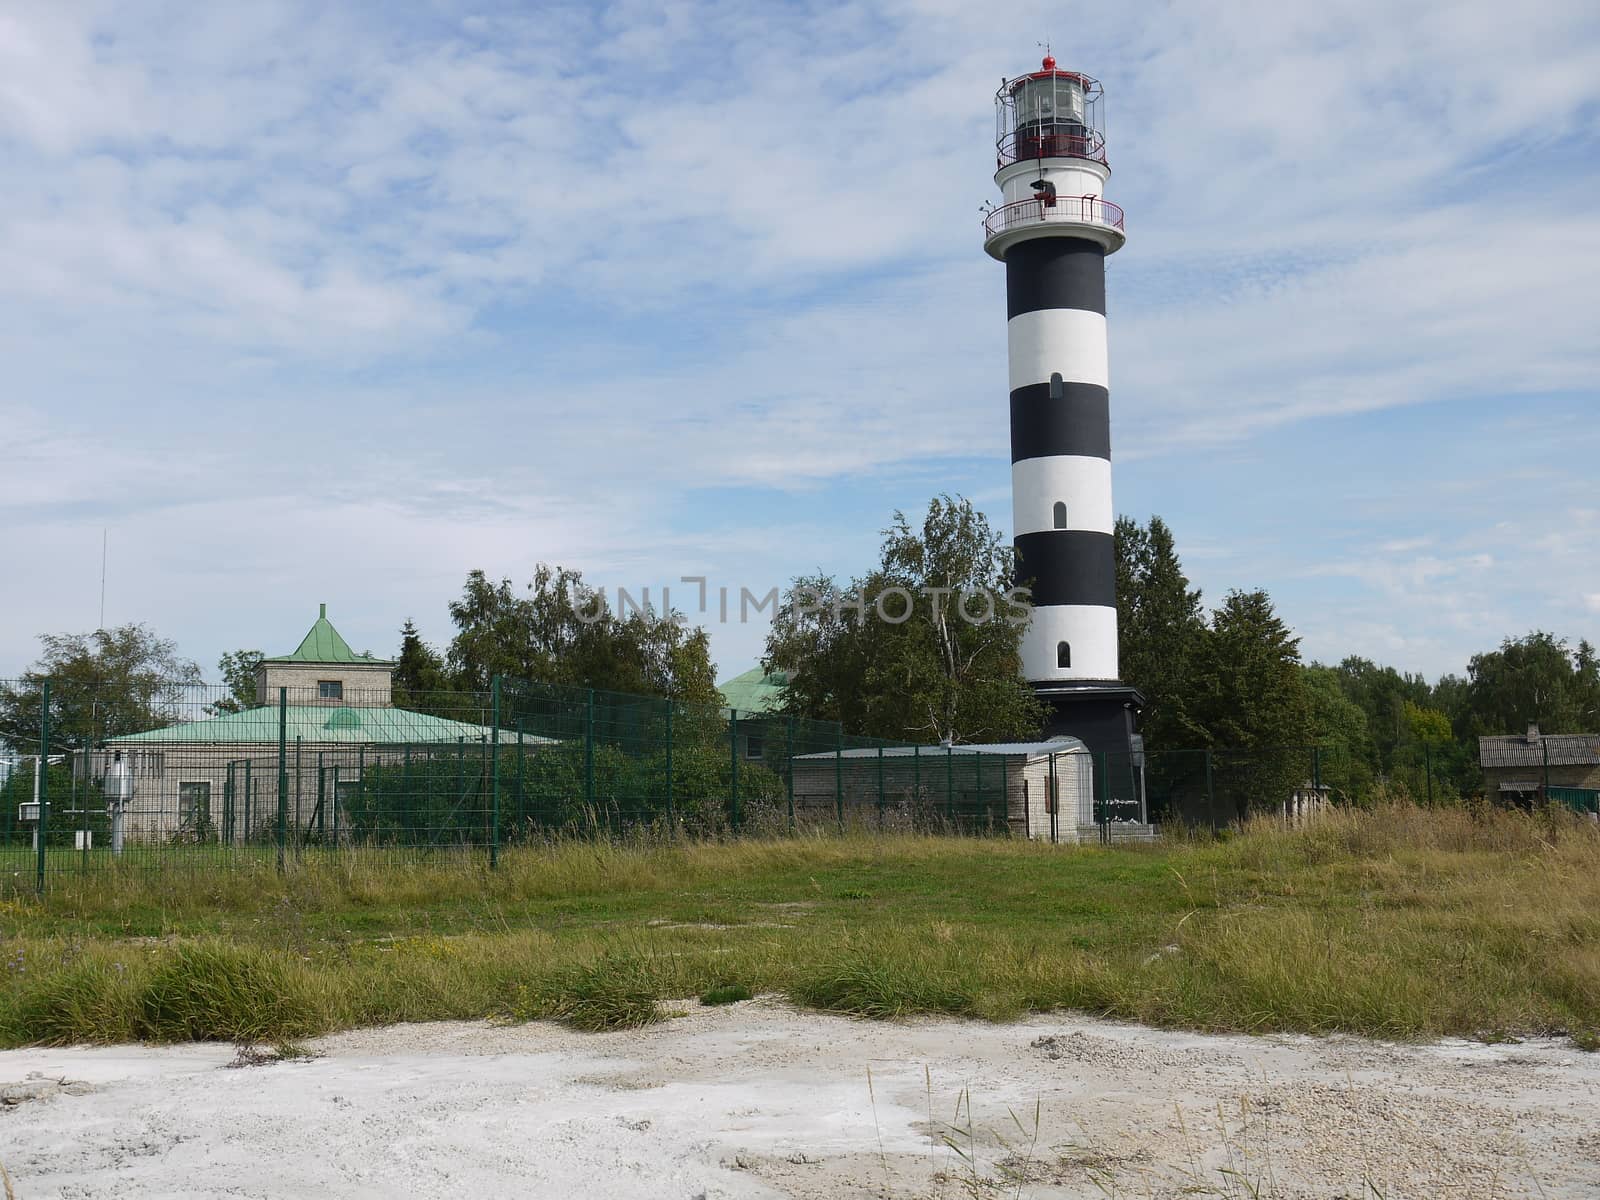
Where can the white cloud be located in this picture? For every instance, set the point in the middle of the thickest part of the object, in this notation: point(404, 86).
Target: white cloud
point(247, 251)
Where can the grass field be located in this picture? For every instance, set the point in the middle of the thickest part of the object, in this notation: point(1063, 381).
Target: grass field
point(1398, 923)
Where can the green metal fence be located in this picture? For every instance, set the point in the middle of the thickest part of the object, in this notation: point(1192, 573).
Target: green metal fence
point(185, 774)
point(167, 775)
point(1578, 799)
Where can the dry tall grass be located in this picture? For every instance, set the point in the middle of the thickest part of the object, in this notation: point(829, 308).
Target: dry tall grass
point(1400, 922)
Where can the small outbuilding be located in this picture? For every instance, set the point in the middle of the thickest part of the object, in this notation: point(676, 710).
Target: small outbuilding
point(1535, 768)
point(1044, 791)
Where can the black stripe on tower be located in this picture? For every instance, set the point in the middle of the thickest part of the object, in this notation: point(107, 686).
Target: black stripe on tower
point(1055, 272)
point(1068, 566)
point(1078, 423)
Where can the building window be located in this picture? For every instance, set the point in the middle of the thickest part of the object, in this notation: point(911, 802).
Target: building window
point(194, 805)
point(754, 745)
point(330, 689)
point(1061, 514)
point(1063, 655)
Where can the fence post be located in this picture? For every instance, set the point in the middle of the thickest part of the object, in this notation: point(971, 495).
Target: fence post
point(1105, 796)
point(916, 786)
point(1027, 805)
point(1052, 802)
point(977, 786)
point(788, 768)
point(672, 815)
point(361, 789)
point(1544, 744)
point(248, 799)
point(283, 777)
point(588, 753)
point(1005, 799)
point(880, 789)
point(838, 779)
point(949, 789)
point(1211, 793)
point(43, 824)
point(733, 769)
point(83, 807)
point(494, 771)
point(522, 803)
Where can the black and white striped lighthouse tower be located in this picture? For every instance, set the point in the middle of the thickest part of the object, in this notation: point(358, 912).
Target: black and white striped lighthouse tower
point(1053, 230)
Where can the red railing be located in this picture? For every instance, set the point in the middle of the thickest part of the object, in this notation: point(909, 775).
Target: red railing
point(1032, 143)
point(1076, 210)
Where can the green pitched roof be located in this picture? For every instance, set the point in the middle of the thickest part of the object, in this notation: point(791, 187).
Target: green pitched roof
point(755, 691)
point(321, 723)
point(323, 644)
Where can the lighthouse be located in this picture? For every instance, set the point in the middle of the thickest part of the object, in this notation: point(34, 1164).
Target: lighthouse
point(1053, 230)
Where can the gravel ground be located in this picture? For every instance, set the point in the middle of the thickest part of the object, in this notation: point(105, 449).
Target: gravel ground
point(757, 1100)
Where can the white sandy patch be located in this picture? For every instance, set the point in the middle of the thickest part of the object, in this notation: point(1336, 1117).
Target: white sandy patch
point(757, 1100)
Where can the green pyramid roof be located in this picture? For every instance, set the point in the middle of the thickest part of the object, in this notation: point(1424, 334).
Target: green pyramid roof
point(323, 644)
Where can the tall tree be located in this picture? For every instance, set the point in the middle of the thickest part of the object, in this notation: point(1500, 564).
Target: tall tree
point(1536, 679)
point(1337, 725)
point(419, 672)
point(1161, 629)
point(1249, 696)
point(1383, 693)
point(238, 669)
point(563, 631)
point(102, 684)
point(920, 647)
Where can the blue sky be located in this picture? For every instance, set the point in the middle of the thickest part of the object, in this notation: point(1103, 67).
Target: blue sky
point(335, 303)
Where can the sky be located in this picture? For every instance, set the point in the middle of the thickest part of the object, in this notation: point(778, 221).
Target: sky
point(308, 303)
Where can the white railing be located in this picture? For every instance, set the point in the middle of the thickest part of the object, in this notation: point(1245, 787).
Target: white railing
point(1075, 210)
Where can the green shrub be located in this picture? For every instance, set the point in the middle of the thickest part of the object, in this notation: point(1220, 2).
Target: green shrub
point(885, 987)
point(725, 993)
point(616, 991)
point(214, 991)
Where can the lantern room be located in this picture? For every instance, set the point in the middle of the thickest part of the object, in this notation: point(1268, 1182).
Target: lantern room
point(1049, 114)
point(1051, 164)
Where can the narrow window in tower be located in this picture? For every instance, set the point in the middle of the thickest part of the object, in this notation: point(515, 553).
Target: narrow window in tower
point(1061, 514)
point(1058, 389)
point(1063, 655)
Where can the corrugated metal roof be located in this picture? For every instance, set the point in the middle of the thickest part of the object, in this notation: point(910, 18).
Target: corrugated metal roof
point(323, 644)
point(756, 691)
point(1066, 745)
point(1535, 750)
point(321, 723)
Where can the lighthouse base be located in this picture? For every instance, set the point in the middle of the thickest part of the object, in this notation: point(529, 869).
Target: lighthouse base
point(1105, 718)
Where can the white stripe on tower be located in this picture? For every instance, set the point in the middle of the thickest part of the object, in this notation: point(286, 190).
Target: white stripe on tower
point(1080, 484)
point(1070, 342)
